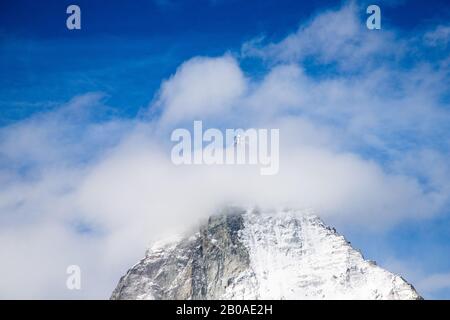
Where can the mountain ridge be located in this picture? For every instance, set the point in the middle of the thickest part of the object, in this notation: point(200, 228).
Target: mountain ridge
point(248, 254)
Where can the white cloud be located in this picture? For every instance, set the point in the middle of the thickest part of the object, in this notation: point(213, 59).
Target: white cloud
point(438, 36)
point(335, 36)
point(201, 87)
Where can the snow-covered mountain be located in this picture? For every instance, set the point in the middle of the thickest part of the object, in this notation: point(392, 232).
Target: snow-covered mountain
point(246, 254)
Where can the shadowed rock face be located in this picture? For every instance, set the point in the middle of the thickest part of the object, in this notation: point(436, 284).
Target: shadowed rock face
point(244, 254)
point(221, 256)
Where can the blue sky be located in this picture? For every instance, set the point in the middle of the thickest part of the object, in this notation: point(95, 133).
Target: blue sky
point(126, 49)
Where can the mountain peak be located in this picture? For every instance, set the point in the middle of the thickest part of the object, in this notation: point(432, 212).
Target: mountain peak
point(247, 254)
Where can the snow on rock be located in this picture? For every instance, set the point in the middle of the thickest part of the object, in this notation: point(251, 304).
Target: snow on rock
point(246, 254)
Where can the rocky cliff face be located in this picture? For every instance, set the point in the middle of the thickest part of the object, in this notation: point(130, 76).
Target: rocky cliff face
point(245, 254)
